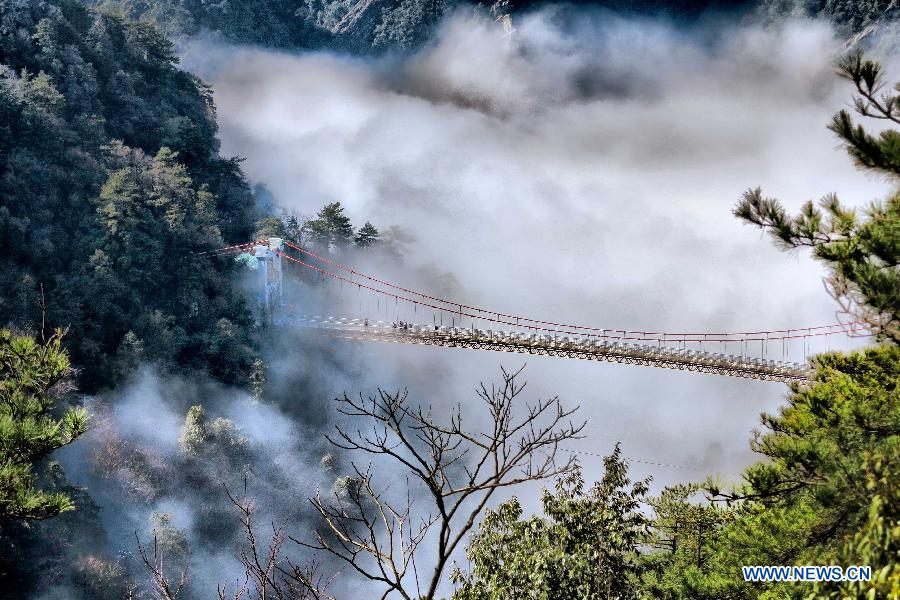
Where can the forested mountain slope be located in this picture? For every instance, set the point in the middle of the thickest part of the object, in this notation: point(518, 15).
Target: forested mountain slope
point(109, 168)
point(364, 26)
point(110, 179)
point(361, 26)
point(352, 25)
point(852, 16)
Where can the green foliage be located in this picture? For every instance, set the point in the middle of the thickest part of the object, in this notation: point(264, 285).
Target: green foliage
point(221, 438)
point(336, 24)
point(170, 542)
point(271, 227)
point(681, 525)
point(586, 546)
point(327, 14)
point(877, 543)
point(817, 443)
point(331, 228)
point(193, 435)
point(862, 252)
point(366, 236)
point(31, 377)
point(681, 542)
point(38, 553)
point(109, 180)
point(879, 152)
point(825, 494)
point(707, 562)
point(362, 26)
point(170, 555)
point(265, 22)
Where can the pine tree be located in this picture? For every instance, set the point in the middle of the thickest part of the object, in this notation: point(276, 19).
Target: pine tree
point(879, 152)
point(685, 534)
point(269, 227)
point(31, 374)
point(586, 546)
point(862, 251)
point(366, 236)
point(295, 229)
point(331, 228)
point(111, 169)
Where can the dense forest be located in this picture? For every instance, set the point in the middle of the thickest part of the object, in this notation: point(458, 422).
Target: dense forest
point(112, 193)
point(358, 26)
point(851, 16)
point(110, 180)
point(367, 26)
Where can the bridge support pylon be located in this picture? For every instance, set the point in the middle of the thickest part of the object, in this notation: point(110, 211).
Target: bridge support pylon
point(271, 277)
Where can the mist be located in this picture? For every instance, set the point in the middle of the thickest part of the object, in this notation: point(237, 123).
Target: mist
point(578, 167)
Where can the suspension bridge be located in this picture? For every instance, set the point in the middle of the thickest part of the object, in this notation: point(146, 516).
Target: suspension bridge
point(383, 317)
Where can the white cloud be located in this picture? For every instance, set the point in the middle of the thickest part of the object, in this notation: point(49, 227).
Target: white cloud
point(580, 170)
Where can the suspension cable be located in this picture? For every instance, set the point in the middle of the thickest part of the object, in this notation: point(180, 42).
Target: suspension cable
point(852, 327)
point(607, 333)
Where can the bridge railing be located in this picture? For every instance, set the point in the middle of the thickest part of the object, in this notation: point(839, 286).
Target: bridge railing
point(572, 346)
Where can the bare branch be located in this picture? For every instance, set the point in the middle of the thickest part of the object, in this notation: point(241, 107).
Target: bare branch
point(457, 469)
point(266, 573)
point(164, 588)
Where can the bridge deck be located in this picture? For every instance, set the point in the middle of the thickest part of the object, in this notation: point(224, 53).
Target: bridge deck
point(583, 347)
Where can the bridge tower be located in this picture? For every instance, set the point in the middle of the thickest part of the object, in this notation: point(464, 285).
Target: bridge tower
point(270, 273)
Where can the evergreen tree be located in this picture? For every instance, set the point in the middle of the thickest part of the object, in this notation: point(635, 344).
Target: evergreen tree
point(144, 295)
point(877, 543)
point(295, 229)
point(408, 23)
point(879, 152)
point(824, 495)
point(862, 251)
point(820, 496)
point(683, 534)
point(31, 375)
point(218, 437)
point(271, 227)
point(366, 236)
point(331, 228)
point(111, 178)
point(586, 546)
point(288, 227)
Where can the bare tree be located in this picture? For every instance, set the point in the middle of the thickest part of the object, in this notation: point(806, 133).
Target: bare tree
point(459, 471)
point(267, 573)
point(165, 588)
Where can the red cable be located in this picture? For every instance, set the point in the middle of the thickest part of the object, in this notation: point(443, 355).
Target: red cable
point(558, 331)
point(843, 326)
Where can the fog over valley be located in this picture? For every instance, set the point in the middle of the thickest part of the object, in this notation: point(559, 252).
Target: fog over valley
point(292, 297)
point(570, 173)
